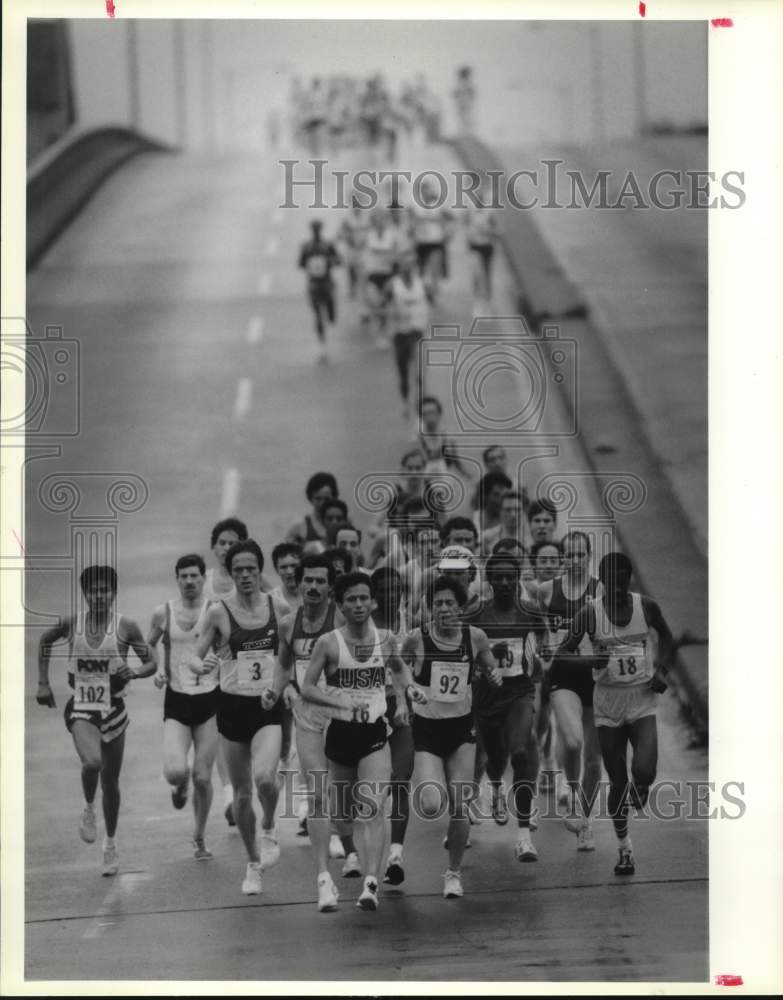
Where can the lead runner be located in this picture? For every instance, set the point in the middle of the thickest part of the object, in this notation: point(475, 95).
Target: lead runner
point(95, 716)
point(354, 660)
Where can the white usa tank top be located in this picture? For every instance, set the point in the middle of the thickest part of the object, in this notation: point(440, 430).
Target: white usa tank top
point(363, 681)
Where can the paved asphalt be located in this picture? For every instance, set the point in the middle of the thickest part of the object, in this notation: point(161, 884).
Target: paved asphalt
point(178, 280)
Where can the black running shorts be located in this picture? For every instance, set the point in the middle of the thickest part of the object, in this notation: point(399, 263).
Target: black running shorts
point(190, 709)
point(442, 737)
point(349, 742)
point(239, 717)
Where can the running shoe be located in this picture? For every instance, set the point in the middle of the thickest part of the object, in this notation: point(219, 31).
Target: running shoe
point(302, 831)
point(395, 873)
point(524, 850)
point(499, 808)
point(625, 864)
point(452, 884)
point(585, 840)
point(351, 867)
point(563, 791)
point(369, 897)
point(336, 849)
point(253, 886)
point(111, 861)
point(200, 853)
point(229, 814)
point(87, 825)
point(327, 894)
point(268, 848)
point(179, 796)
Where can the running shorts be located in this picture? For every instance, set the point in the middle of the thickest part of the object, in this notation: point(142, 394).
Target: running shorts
point(380, 279)
point(239, 717)
point(347, 743)
point(425, 250)
point(565, 675)
point(190, 709)
point(484, 250)
point(442, 737)
point(311, 717)
point(490, 702)
point(111, 726)
point(620, 705)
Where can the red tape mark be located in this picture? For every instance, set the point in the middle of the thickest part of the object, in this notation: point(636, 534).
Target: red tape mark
point(110, 8)
point(728, 980)
point(642, 10)
point(722, 22)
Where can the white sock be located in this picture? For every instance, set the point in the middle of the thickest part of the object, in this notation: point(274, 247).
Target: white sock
point(624, 841)
point(324, 877)
point(109, 842)
point(228, 795)
point(395, 849)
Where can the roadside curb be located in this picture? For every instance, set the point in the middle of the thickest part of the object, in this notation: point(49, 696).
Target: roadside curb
point(610, 423)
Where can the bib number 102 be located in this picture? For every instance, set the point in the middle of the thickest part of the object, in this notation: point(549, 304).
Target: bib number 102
point(88, 694)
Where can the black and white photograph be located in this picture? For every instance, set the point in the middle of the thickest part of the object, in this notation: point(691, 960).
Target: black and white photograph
point(363, 379)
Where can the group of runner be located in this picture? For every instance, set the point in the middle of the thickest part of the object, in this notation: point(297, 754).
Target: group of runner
point(451, 654)
point(396, 259)
point(341, 112)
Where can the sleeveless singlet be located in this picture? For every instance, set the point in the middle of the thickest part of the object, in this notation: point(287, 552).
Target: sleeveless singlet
point(628, 646)
point(562, 610)
point(363, 681)
point(92, 672)
point(446, 675)
point(251, 668)
point(412, 304)
point(302, 644)
point(178, 646)
point(216, 595)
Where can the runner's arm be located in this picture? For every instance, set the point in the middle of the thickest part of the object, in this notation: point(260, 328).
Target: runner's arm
point(214, 624)
point(324, 653)
point(129, 634)
point(52, 635)
point(666, 646)
point(401, 672)
point(484, 658)
point(285, 660)
point(157, 626)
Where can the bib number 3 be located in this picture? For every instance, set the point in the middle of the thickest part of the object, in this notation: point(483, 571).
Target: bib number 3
point(255, 670)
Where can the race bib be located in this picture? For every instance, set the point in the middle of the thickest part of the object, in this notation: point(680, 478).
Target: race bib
point(365, 706)
point(92, 688)
point(316, 267)
point(449, 681)
point(510, 656)
point(628, 664)
point(255, 670)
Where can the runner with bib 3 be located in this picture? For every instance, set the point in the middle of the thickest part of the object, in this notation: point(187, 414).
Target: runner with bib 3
point(249, 715)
